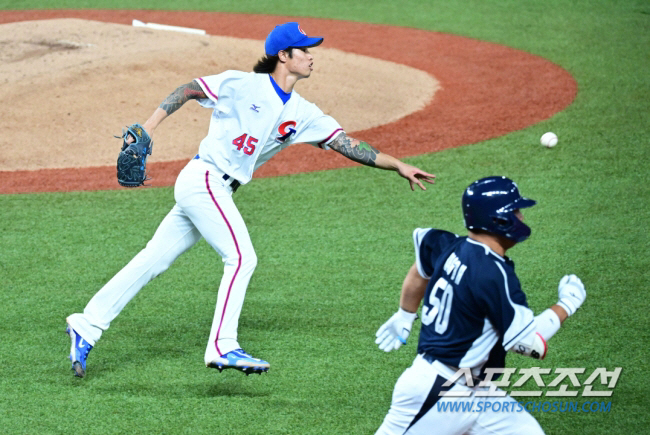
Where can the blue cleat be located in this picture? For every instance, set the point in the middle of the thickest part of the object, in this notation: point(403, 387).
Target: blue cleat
point(79, 349)
point(238, 359)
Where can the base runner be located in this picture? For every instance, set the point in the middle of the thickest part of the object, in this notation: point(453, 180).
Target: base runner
point(473, 312)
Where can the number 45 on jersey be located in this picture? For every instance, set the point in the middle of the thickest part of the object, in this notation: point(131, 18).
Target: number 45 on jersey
point(244, 144)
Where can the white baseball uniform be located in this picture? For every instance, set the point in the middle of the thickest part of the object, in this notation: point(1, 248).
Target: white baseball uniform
point(252, 120)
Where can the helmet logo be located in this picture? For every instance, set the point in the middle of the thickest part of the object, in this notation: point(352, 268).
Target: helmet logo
point(301, 31)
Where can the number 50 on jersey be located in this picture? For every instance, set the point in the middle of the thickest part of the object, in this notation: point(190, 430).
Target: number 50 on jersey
point(441, 296)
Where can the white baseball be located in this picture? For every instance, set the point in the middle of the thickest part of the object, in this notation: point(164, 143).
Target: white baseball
point(549, 139)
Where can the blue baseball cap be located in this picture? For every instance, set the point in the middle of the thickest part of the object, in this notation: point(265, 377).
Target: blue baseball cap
point(288, 35)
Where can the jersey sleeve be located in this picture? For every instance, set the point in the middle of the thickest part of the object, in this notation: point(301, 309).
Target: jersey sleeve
point(212, 85)
point(429, 244)
point(505, 303)
point(319, 130)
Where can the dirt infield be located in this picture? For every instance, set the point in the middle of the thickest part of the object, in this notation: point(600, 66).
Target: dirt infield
point(487, 90)
point(69, 65)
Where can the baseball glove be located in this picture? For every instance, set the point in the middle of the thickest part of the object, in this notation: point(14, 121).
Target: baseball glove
point(132, 161)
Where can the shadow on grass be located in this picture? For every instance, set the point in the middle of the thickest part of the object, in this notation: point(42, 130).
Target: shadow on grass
point(183, 386)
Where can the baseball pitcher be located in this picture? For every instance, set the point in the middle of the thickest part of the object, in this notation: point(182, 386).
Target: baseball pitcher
point(473, 312)
point(254, 116)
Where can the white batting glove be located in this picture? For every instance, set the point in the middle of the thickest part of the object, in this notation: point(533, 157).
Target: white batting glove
point(394, 333)
point(572, 293)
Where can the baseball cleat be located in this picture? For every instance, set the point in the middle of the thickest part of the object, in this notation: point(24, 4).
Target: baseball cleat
point(79, 349)
point(238, 359)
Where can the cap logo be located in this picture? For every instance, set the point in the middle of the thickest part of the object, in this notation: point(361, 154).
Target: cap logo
point(288, 35)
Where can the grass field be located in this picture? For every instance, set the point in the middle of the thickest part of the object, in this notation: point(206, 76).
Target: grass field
point(334, 247)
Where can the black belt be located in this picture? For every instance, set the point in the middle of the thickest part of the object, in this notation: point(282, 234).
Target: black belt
point(428, 358)
point(234, 184)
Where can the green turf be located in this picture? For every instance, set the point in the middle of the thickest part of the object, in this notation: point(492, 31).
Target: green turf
point(333, 249)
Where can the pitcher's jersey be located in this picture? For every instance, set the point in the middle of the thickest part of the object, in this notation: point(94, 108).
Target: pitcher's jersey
point(250, 123)
point(473, 309)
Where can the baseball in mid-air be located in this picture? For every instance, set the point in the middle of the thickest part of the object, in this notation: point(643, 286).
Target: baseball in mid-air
point(549, 139)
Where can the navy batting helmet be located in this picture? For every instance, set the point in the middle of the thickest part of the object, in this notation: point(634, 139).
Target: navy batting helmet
point(489, 204)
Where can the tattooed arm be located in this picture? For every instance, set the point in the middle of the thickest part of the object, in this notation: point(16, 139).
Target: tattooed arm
point(184, 93)
point(354, 149)
point(368, 155)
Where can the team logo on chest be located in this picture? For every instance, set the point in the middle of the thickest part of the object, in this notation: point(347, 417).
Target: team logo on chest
point(285, 131)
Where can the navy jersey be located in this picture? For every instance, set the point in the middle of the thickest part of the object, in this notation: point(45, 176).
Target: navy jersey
point(473, 309)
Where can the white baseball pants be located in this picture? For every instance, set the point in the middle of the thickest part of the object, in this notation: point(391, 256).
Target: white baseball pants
point(204, 207)
point(417, 408)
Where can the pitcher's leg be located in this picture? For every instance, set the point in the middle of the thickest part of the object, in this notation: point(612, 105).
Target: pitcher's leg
point(175, 235)
point(216, 216)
